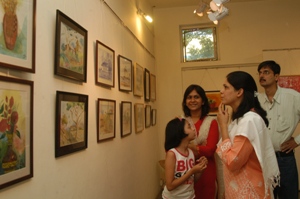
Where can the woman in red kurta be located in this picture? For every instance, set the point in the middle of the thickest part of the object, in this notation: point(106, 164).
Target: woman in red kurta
point(195, 105)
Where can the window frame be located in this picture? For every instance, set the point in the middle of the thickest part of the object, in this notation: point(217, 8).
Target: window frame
point(194, 28)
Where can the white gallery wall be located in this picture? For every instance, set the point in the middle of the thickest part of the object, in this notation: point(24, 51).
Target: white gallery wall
point(246, 37)
point(119, 167)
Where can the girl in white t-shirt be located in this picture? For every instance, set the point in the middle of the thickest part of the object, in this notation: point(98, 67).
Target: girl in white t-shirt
point(180, 168)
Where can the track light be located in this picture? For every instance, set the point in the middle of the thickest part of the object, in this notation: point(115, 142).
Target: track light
point(219, 14)
point(147, 17)
point(215, 10)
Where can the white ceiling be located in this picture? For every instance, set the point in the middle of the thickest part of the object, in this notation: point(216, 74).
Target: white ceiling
point(182, 3)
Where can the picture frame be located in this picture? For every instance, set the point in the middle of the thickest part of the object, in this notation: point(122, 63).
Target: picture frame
point(139, 115)
point(106, 123)
point(70, 48)
point(214, 100)
point(147, 116)
point(126, 118)
point(16, 130)
point(71, 123)
point(153, 117)
point(138, 80)
point(147, 85)
point(18, 48)
point(105, 65)
point(289, 81)
point(125, 73)
point(152, 87)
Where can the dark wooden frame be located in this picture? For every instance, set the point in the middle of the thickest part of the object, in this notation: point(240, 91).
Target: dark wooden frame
point(105, 65)
point(152, 87)
point(65, 101)
point(70, 57)
point(125, 73)
point(20, 91)
point(126, 118)
point(147, 116)
point(106, 111)
point(18, 57)
point(146, 85)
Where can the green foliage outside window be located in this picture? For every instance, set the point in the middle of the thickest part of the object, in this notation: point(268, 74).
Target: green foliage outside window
point(199, 44)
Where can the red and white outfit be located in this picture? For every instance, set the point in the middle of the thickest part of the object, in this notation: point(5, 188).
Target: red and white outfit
point(183, 164)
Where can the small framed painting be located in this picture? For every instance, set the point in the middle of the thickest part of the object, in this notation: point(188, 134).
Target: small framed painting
point(147, 116)
point(71, 122)
point(125, 73)
point(147, 85)
point(70, 48)
point(106, 114)
point(105, 65)
point(139, 115)
point(153, 117)
point(138, 80)
point(126, 118)
point(16, 131)
point(152, 87)
point(214, 100)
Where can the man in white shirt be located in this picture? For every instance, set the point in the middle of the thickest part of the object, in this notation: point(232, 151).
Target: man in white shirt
point(283, 112)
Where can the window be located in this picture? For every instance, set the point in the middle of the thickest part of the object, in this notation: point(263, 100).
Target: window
point(199, 44)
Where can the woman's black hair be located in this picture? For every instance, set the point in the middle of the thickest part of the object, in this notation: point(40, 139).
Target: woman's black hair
point(174, 133)
point(201, 92)
point(243, 80)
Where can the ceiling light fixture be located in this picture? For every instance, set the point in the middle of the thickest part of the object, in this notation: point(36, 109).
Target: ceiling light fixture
point(215, 10)
point(147, 17)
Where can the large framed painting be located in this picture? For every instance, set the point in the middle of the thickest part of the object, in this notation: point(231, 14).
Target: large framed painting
point(138, 80)
point(105, 65)
point(214, 100)
point(139, 115)
point(71, 123)
point(126, 118)
point(17, 35)
point(289, 81)
point(106, 124)
point(16, 131)
point(125, 73)
point(70, 48)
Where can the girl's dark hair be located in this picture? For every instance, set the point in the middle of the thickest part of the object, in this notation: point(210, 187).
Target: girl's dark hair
point(201, 92)
point(174, 133)
point(243, 80)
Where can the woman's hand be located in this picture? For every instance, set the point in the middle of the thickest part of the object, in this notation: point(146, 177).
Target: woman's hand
point(223, 119)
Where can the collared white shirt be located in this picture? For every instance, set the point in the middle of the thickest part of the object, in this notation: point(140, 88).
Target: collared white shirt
point(283, 115)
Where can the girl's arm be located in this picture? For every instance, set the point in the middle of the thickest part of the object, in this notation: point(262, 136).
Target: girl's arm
point(202, 164)
point(172, 182)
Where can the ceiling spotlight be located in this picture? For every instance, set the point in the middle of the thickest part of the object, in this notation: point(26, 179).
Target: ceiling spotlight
point(147, 17)
point(217, 15)
point(199, 11)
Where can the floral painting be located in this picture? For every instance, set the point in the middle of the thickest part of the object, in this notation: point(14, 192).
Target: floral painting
point(106, 119)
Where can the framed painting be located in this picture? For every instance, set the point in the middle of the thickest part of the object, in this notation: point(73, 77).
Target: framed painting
point(152, 87)
point(147, 85)
point(106, 115)
point(17, 35)
point(71, 123)
point(147, 116)
point(126, 118)
point(139, 114)
point(290, 81)
point(138, 80)
point(70, 48)
point(16, 130)
point(105, 65)
point(153, 117)
point(125, 73)
point(214, 100)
